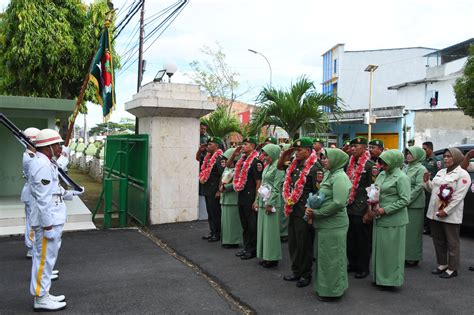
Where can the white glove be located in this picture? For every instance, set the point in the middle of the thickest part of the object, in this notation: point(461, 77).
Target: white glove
point(78, 193)
point(50, 234)
point(68, 194)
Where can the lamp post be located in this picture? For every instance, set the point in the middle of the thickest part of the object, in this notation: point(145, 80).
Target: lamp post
point(269, 66)
point(370, 69)
point(170, 69)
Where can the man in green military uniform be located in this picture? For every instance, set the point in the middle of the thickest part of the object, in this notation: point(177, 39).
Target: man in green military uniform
point(432, 165)
point(304, 175)
point(318, 146)
point(362, 174)
point(209, 180)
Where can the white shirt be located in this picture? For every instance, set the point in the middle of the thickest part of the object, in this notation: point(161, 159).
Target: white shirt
point(25, 192)
point(47, 207)
point(460, 181)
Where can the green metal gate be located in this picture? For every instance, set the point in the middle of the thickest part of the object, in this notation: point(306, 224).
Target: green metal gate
point(125, 183)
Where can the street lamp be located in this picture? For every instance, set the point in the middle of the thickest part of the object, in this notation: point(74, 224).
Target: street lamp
point(269, 66)
point(170, 69)
point(370, 69)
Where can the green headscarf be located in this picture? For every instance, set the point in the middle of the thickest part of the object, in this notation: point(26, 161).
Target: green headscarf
point(393, 158)
point(273, 151)
point(418, 154)
point(337, 158)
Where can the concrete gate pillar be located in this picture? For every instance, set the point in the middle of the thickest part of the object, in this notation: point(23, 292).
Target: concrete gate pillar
point(169, 113)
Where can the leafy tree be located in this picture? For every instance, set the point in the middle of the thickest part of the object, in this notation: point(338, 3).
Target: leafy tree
point(46, 46)
point(221, 122)
point(293, 108)
point(124, 126)
point(216, 77)
point(464, 86)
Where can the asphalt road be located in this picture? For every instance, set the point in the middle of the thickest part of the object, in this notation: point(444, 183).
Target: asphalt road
point(168, 269)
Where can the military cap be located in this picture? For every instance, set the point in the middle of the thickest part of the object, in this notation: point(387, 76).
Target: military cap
point(270, 140)
point(377, 142)
point(359, 140)
point(250, 140)
point(411, 141)
point(303, 142)
point(216, 140)
point(347, 142)
point(317, 140)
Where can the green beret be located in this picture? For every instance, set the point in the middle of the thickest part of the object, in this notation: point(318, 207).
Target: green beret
point(377, 142)
point(359, 140)
point(250, 140)
point(270, 140)
point(317, 140)
point(347, 142)
point(216, 140)
point(303, 142)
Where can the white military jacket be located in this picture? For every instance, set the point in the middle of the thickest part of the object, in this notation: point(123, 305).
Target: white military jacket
point(47, 206)
point(25, 192)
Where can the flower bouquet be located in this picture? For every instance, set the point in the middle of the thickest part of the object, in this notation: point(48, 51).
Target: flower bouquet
point(445, 195)
point(373, 194)
point(314, 201)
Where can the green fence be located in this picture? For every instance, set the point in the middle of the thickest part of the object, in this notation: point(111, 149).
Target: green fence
point(125, 184)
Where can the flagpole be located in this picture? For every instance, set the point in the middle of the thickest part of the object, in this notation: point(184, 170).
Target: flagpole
point(83, 89)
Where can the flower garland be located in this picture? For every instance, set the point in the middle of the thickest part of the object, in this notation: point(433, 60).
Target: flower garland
point(207, 166)
point(292, 197)
point(355, 176)
point(241, 173)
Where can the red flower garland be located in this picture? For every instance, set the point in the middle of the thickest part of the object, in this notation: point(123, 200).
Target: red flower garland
point(240, 175)
point(355, 177)
point(207, 166)
point(292, 197)
point(444, 200)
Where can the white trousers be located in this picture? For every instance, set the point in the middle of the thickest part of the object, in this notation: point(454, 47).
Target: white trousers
point(45, 254)
point(29, 232)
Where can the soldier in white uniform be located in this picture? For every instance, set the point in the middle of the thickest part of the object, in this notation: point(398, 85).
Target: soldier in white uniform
point(47, 218)
point(28, 156)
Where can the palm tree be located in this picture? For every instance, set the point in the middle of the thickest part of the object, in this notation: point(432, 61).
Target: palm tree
point(299, 106)
point(221, 122)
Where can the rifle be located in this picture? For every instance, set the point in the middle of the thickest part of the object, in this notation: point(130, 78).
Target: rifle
point(26, 142)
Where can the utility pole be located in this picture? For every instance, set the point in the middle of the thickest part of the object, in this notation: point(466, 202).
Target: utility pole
point(140, 54)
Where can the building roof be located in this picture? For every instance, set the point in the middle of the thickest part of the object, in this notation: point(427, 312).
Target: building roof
point(452, 47)
point(36, 103)
point(370, 50)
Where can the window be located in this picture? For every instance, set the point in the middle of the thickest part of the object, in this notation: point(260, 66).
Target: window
point(335, 65)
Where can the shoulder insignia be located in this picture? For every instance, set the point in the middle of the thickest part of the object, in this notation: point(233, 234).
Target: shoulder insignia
point(259, 167)
point(223, 163)
point(319, 176)
point(45, 182)
point(438, 164)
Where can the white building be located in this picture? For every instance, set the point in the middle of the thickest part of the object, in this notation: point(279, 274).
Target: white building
point(430, 102)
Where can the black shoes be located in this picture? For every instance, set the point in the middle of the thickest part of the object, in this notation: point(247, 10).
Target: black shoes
point(284, 239)
point(446, 275)
point(303, 282)
point(411, 263)
point(248, 255)
point(270, 263)
point(241, 253)
point(438, 271)
point(361, 275)
point(230, 245)
point(291, 277)
point(471, 268)
point(329, 298)
point(213, 238)
point(207, 237)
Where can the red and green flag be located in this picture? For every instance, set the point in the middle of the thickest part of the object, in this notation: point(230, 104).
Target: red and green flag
point(102, 74)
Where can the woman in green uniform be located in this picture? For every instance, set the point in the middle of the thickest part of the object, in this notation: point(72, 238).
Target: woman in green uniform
point(415, 171)
point(269, 203)
point(388, 239)
point(331, 224)
point(231, 228)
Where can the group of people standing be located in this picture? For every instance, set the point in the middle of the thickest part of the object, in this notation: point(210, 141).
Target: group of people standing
point(360, 209)
point(45, 213)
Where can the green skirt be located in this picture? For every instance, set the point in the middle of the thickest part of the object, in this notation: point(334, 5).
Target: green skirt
point(414, 241)
point(388, 255)
point(268, 236)
point(330, 269)
point(231, 228)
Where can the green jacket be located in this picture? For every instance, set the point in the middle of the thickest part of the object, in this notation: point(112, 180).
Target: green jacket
point(273, 178)
point(394, 191)
point(367, 178)
point(433, 165)
point(415, 171)
point(336, 187)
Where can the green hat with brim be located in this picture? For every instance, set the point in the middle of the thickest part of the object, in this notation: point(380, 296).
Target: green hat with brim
point(250, 140)
point(317, 140)
point(377, 142)
point(359, 140)
point(303, 142)
point(216, 140)
point(270, 140)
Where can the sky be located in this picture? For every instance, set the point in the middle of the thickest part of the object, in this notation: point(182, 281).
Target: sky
point(292, 35)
